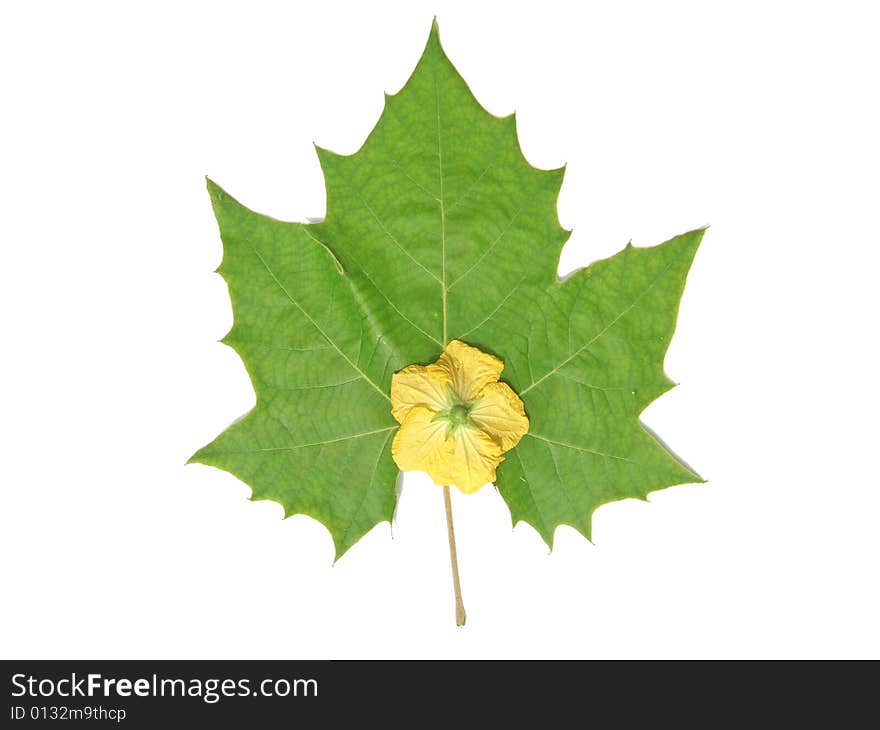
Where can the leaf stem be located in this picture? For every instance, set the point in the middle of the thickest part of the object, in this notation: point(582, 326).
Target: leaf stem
point(460, 615)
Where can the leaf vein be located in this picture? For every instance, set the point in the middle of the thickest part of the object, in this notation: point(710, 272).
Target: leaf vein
point(315, 323)
point(601, 333)
point(294, 447)
point(360, 506)
point(578, 448)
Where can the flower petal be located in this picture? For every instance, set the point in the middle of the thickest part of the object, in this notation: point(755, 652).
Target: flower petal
point(417, 386)
point(421, 443)
point(468, 369)
point(499, 412)
point(472, 462)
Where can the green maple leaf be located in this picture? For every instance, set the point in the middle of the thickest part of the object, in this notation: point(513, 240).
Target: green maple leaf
point(439, 229)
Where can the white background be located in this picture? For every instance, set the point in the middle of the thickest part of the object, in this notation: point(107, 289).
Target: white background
point(760, 119)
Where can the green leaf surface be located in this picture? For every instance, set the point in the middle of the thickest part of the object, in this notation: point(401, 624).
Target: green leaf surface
point(439, 229)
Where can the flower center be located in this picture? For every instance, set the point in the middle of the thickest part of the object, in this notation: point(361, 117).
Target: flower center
point(458, 414)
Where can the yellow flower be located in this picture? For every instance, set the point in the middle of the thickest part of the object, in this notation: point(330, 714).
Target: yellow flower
point(455, 418)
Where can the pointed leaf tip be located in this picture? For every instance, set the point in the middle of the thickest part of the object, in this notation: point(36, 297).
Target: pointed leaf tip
point(434, 35)
point(218, 195)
